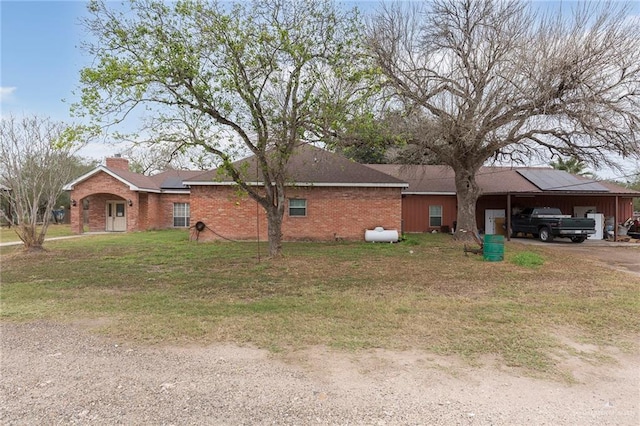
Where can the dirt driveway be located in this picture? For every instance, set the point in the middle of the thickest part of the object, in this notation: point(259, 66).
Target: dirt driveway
point(65, 374)
point(620, 256)
point(62, 374)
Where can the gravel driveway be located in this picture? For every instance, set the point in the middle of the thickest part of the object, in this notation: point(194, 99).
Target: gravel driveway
point(63, 374)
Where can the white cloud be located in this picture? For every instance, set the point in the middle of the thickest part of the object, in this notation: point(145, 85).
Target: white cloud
point(101, 150)
point(6, 93)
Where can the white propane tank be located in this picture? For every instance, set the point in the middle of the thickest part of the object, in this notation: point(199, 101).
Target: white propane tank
point(381, 235)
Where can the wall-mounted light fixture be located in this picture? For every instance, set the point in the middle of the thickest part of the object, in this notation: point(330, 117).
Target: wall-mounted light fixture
point(74, 203)
point(130, 203)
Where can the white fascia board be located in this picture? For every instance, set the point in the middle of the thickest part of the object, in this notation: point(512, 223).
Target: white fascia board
point(213, 183)
point(307, 184)
point(427, 193)
point(352, 185)
point(175, 191)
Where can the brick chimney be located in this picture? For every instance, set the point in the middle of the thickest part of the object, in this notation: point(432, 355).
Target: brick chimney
point(117, 163)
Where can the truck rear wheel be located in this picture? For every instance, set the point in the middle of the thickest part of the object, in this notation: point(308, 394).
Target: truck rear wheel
point(545, 235)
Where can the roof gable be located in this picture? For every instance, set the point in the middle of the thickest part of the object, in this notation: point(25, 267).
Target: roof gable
point(167, 180)
point(116, 174)
point(308, 166)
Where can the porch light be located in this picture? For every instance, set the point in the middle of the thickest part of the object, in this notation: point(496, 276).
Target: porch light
point(130, 203)
point(74, 203)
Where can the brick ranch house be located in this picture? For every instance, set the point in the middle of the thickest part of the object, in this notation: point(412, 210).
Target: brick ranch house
point(329, 197)
point(429, 203)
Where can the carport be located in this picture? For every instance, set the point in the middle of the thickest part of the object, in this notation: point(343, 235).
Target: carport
point(429, 203)
point(573, 195)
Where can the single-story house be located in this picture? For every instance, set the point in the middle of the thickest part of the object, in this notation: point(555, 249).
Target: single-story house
point(429, 203)
point(329, 197)
point(113, 198)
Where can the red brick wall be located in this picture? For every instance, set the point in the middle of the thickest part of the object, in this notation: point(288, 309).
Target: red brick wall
point(143, 210)
point(117, 163)
point(99, 189)
point(331, 213)
point(148, 210)
point(163, 208)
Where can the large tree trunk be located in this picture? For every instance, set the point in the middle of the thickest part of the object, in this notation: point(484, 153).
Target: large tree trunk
point(274, 230)
point(468, 193)
point(274, 206)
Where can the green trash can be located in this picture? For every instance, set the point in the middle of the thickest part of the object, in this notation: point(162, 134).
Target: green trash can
point(493, 248)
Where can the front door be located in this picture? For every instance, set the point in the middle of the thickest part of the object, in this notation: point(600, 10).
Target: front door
point(494, 222)
point(116, 216)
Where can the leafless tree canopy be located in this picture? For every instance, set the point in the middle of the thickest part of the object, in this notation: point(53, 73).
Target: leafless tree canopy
point(35, 163)
point(498, 80)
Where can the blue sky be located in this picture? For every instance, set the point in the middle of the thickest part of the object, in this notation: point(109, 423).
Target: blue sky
point(41, 59)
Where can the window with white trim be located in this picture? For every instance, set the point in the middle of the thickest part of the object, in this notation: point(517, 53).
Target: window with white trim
point(435, 216)
point(297, 207)
point(181, 215)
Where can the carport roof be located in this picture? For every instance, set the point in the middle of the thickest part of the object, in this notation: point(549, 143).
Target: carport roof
point(560, 180)
point(428, 179)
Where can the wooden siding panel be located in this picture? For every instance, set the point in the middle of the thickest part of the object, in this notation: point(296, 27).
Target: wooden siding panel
point(415, 208)
point(415, 211)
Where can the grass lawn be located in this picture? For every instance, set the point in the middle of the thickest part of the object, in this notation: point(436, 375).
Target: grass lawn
point(423, 294)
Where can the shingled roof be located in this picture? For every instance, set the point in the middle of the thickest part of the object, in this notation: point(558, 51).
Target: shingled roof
point(428, 179)
point(174, 179)
point(308, 166)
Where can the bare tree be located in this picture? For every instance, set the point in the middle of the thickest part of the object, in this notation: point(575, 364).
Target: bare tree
point(35, 162)
point(149, 158)
point(258, 74)
point(495, 80)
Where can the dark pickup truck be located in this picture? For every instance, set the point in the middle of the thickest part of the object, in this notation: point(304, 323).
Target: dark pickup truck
point(547, 223)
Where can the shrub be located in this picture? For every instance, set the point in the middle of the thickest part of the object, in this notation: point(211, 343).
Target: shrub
point(528, 259)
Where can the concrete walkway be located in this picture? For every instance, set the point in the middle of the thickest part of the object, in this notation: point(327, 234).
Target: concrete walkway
point(85, 234)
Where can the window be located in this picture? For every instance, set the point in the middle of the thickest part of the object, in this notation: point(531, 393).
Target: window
point(435, 216)
point(297, 207)
point(181, 215)
point(120, 209)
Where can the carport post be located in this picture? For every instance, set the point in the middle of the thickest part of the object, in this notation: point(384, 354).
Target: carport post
point(615, 222)
point(508, 230)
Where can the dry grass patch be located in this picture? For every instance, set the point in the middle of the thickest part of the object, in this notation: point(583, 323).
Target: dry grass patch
point(158, 287)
